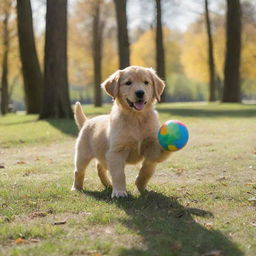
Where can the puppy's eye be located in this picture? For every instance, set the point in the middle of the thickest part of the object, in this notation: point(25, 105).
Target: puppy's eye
point(146, 82)
point(128, 83)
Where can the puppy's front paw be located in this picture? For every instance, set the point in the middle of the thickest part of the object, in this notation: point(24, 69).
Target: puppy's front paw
point(118, 193)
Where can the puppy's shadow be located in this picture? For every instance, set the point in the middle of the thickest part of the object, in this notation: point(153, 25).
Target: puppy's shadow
point(167, 227)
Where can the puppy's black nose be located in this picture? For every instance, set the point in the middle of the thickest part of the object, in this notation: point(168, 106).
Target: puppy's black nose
point(140, 94)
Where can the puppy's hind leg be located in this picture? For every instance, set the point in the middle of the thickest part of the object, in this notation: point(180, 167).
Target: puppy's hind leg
point(102, 172)
point(146, 172)
point(81, 163)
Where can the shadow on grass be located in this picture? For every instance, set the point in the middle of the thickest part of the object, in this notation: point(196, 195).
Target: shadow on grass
point(67, 126)
point(167, 227)
point(190, 112)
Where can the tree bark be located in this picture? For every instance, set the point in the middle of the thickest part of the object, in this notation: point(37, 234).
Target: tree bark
point(211, 63)
point(231, 90)
point(122, 34)
point(97, 53)
point(160, 55)
point(4, 78)
point(32, 76)
point(56, 102)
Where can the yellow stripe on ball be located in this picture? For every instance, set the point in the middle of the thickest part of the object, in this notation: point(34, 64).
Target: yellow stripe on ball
point(172, 148)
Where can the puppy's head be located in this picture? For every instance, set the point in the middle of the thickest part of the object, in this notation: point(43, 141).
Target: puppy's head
point(134, 87)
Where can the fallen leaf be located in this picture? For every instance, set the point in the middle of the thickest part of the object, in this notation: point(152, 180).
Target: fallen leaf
point(37, 214)
point(221, 178)
point(253, 224)
point(249, 184)
point(33, 240)
point(214, 253)
point(209, 193)
point(19, 240)
point(20, 162)
point(50, 211)
point(252, 199)
point(179, 171)
point(208, 225)
point(60, 222)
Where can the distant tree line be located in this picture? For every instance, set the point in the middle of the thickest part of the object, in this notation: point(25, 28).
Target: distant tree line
point(47, 92)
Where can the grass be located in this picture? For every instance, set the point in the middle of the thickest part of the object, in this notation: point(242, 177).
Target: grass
point(200, 201)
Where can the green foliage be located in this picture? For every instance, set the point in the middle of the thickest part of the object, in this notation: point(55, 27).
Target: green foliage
point(180, 88)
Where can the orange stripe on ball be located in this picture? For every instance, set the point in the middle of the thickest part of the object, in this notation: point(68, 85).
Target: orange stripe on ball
point(163, 130)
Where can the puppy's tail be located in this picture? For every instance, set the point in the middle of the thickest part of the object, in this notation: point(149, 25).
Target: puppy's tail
point(79, 115)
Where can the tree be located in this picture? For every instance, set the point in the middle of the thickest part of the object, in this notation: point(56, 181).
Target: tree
point(160, 56)
point(56, 102)
point(122, 34)
point(6, 46)
point(32, 76)
point(231, 90)
point(211, 63)
point(97, 33)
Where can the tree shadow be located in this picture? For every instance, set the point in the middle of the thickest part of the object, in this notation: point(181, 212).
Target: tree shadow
point(188, 112)
point(167, 227)
point(66, 126)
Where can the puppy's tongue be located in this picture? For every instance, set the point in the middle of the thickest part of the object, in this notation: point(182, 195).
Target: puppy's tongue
point(139, 105)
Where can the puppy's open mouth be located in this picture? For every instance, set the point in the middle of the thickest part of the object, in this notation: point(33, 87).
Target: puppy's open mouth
point(138, 105)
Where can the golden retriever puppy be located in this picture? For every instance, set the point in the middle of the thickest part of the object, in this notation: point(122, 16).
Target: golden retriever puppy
point(127, 135)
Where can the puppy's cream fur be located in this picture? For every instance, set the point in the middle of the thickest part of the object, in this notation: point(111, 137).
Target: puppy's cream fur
point(126, 135)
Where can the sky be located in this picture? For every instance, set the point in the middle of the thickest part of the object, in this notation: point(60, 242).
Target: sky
point(177, 14)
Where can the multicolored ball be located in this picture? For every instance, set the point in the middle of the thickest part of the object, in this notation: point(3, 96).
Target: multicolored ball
point(173, 135)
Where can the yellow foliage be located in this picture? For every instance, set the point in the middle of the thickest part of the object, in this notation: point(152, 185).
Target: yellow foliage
point(110, 58)
point(14, 65)
point(249, 52)
point(219, 42)
point(194, 55)
point(143, 50)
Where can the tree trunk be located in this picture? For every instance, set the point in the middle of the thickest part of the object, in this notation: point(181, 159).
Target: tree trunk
point(211, 63)
point(160, 57)
point(231, 90)
point(32, 76)
point(97, 53)
point(122, 34)
point(56, 102)
point(4, 78)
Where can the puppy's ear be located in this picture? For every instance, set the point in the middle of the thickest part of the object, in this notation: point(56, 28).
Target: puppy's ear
point(111, 85)
point(158, 84)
